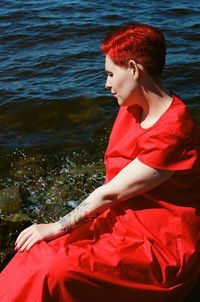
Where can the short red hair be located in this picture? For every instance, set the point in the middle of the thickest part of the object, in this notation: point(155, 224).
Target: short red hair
point(142, 43)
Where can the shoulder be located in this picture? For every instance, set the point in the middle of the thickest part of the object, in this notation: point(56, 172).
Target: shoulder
point(174, 142)
point(179, 116)
point(176, 123)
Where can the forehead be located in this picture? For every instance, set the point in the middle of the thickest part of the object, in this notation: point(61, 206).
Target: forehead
point(109, 64)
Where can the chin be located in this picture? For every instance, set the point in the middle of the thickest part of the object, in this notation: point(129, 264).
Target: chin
point(122, 102)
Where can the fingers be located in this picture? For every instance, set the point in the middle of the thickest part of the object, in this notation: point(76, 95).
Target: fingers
point(27, 239)
point(35, 233)
point(21, 235)
point(32, 243)
point(29, 243)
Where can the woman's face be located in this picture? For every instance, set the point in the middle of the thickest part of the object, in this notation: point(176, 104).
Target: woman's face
point(121, 81)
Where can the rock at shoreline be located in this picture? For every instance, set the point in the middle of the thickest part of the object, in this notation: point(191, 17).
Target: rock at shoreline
point(10, 199)
point(10, 228)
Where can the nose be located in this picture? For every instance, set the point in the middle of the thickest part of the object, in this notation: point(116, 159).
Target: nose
point(108, 84)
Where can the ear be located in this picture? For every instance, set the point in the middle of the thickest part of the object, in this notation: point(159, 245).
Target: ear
point(135, 68)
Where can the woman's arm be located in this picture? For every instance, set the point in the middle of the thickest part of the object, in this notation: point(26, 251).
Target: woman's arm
point(136, 178)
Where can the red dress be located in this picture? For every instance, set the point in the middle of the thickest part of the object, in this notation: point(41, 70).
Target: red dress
point(143, 249)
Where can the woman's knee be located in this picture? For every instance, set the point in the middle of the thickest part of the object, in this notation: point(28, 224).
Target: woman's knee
point(60, 269)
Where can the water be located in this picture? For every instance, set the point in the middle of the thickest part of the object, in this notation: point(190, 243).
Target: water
point(50, 55)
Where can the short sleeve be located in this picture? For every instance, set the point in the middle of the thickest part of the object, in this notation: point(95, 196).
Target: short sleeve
point(169, 148)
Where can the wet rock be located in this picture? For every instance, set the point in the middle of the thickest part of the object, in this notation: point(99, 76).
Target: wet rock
point(88, 169)
point(10, 199)
point(57, 192)
point(28, 167)
point(18, 217)
point(10, 227)
point(22, 171)
point(31, 159)
point(85, 179)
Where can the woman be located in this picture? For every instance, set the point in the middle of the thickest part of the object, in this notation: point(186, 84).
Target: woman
point(137, 237)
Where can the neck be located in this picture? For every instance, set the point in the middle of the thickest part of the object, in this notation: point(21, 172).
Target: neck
point(155, 100)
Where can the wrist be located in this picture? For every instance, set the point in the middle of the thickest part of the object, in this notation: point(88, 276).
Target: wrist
point(58, 228)
point(63, 225)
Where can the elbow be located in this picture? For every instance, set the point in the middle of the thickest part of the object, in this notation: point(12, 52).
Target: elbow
point(110, 193)
point(105, 195)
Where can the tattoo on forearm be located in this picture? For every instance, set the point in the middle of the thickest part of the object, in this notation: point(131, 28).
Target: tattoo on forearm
point(76, 217)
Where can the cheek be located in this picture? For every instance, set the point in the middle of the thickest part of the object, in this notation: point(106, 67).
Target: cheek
point(128, 87)
point(121, 82)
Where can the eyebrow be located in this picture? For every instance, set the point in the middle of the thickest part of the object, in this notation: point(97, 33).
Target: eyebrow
point(108, 71)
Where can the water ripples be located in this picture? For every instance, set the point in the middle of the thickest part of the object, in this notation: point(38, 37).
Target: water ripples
point(50, 53)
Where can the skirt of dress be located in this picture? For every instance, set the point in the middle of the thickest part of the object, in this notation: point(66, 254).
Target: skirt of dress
point(123, 255)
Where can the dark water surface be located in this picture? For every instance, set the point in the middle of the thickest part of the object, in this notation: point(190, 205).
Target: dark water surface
point(51, 67)
point(52, 97)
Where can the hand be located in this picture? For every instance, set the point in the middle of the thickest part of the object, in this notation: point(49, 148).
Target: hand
point(35, 233)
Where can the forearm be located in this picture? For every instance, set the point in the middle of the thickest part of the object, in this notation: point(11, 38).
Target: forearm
point(87, 210)
point(136, 178)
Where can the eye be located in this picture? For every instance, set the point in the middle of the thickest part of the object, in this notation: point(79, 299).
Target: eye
point(110, 74)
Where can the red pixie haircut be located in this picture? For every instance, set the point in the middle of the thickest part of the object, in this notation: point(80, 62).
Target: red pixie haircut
point(142, 43)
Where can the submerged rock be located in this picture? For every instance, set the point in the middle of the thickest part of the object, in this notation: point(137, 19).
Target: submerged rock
point(88, 169)
point(58, 191)
point(10, 199)
point(31, 170)
point(27, 167)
